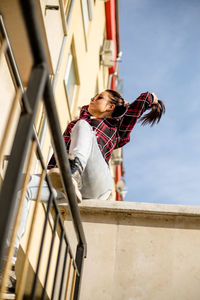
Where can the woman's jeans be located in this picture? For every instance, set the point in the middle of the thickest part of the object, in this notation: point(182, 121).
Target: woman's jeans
point(96, 177)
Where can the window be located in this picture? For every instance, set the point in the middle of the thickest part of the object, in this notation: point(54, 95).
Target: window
point(68, 7)
point(71, 80)
point(87, 12)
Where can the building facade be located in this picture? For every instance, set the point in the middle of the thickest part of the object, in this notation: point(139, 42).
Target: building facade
point(80, 51)
point(81, 40)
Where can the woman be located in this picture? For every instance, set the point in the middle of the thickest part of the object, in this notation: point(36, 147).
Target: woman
point(104, 125)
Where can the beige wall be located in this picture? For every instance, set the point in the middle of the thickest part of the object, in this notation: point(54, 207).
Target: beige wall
point(8, 100)
point(91, 76)
point(139, 251)
point(86, 48)
point(33, 252)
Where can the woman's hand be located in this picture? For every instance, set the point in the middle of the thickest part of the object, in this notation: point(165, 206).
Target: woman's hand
point(126, 104)
point(155, 98)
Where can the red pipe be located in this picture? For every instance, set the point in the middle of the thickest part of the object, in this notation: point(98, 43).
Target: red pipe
point(111, 35)
point(118, 174)
point(111, 29)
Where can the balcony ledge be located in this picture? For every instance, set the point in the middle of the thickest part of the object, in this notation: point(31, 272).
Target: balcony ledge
point(135, 208)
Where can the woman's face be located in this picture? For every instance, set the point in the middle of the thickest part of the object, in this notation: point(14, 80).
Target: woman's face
point(100, 103)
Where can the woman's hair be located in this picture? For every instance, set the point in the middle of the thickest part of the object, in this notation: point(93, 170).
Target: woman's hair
point(154, 115)
point(116, 98)
point(151, 118)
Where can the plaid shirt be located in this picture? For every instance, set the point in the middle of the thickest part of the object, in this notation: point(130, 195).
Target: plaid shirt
point(111, 133)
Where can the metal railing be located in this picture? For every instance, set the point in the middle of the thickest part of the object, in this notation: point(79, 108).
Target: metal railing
point(24, 147)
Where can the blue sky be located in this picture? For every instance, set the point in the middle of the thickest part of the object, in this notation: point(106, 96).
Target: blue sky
point(161, 53)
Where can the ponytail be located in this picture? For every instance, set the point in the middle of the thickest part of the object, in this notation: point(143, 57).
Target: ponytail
point(154, 115)
point(118, 100)
point(151, 118)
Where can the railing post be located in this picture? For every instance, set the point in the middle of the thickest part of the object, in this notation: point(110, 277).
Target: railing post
point(79, 261)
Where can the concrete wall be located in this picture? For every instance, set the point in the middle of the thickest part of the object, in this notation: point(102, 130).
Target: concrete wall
point(139, 251)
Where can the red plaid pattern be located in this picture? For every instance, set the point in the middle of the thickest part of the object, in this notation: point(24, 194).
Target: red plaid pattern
point(111, 133)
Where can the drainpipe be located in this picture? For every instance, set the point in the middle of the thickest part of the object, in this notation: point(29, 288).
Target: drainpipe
point(112, 30)
point(112, 86)
point(118, 173)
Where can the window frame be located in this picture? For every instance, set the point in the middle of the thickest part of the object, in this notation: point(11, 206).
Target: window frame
point(71, 60)
point(86, 6)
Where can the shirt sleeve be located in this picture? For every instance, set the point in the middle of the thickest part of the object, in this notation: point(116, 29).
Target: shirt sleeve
point(129, 119)
point(84, 112)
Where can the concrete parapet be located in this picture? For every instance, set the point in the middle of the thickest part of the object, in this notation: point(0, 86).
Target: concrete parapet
point(140, 251)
